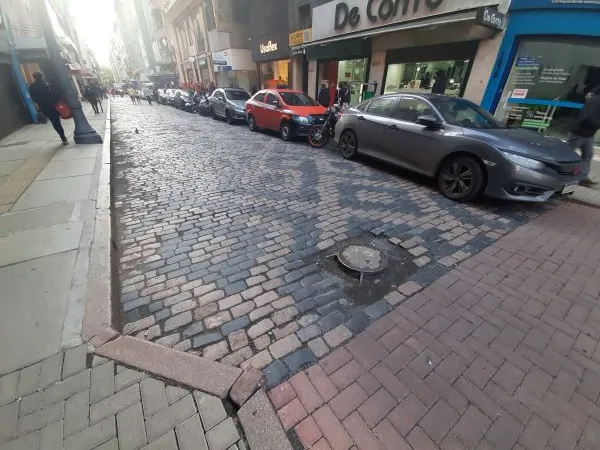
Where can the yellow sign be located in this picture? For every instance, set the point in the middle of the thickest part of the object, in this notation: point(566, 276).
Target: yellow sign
point(300, 37)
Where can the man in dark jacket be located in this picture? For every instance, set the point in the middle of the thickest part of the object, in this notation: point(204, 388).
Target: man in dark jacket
point(439, 85)
point(47, 98)
point(323, 97)
point(582, 134)
point(343, 94)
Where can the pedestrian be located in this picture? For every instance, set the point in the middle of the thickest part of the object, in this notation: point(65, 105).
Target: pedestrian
point(583, 132)
point(100, 95)
point(147, 95)
point(91, 96)
point(132, 93)
point(46, 98)
point(439, 85)
point(343, 94)
point(323, 97)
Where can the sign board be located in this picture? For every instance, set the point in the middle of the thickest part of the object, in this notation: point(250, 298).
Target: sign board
point(519, 93)
point(300, 37)
point(350, 16)
point(270, 48)
point(558, 4)
point(219, 58)
point(491, 18)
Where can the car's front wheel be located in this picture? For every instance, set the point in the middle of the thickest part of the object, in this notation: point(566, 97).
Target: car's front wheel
point(461, 178)
point(285, 130)
point(252, 123)
point(348, 144)
point(228, 117)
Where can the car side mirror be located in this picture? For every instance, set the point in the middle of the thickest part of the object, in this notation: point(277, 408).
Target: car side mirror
point(429, 121)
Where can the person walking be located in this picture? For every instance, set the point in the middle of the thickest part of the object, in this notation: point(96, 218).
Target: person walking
point(89, 93)
point(47, 98)
point(583, 132)
point(132, 93)
point(343, 94)
point(323, 97)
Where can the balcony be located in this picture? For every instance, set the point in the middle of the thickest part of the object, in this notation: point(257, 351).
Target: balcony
point(27, 36)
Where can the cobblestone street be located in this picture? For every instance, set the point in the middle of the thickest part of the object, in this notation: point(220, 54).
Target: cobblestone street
point(219, 230)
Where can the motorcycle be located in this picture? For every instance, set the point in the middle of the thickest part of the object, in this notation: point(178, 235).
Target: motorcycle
point(203, 107)
point(319, 135)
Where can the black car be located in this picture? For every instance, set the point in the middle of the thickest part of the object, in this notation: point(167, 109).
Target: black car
point(229, 104)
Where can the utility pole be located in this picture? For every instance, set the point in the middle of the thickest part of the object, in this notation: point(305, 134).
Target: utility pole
point(84, 133)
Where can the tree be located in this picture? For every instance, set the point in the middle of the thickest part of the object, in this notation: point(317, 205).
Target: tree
point(106, 76)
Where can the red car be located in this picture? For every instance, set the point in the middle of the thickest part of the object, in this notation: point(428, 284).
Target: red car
point(292, 113)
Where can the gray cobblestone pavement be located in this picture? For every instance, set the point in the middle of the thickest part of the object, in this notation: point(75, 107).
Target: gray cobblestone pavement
point(219, 229)
point(72, 401)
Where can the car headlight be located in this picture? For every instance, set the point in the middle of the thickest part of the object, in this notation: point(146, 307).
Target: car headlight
point(524, 161)
point(301, 119)
point(239, 108)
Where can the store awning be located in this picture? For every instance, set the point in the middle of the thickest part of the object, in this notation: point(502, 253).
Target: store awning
point(453, 18)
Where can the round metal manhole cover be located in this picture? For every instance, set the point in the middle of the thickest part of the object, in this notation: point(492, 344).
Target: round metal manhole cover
point(362, 258)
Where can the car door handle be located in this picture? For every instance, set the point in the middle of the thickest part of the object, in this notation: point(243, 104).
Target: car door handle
point(361, 118)
point(393, 127)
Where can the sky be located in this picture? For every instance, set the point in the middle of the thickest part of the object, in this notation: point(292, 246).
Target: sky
point(93, 19)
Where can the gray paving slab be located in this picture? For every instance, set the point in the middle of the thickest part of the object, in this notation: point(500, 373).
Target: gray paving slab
point(67, 168)
point(46, 192)
point(36, 321)
point(11, 223)
point(40, 242)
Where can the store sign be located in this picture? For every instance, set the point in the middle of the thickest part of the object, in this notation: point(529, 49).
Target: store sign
point(349, 16)
point(268, 47)
point(491, 18)
point(219, 58)
point(300, 37)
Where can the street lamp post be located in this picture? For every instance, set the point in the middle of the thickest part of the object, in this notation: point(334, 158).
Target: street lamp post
point(84, 133)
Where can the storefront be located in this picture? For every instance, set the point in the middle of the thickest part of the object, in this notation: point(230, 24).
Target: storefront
point(272, 55)
point(382, 46)
point(298, 42)
point(548, 62)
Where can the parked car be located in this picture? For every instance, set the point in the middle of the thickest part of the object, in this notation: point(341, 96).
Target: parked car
point(229, 104)
point(292, 113)
point(461, 145)
point(162, 96)
point(181, 99)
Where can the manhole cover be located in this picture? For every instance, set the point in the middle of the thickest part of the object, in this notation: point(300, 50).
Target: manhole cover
point(362, 258)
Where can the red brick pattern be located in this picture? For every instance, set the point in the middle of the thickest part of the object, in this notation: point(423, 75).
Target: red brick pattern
point(500, 353)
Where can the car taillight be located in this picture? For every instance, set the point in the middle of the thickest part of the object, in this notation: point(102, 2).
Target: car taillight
point(577, 170)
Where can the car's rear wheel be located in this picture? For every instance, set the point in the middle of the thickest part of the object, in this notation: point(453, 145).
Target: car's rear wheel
point(285, 130)
point(252, 123)
point(348, 144)
point(461, 178)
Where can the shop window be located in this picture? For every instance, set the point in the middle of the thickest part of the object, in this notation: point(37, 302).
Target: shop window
point(353, 72)
point(274, 74)
point(548, 84)
point(410, 109)
point(421, 77)
point(382, 106)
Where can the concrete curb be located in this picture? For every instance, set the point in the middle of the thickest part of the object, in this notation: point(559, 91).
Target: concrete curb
point(257, 415)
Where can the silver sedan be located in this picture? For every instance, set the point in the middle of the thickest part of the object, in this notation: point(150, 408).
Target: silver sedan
point(459, 144)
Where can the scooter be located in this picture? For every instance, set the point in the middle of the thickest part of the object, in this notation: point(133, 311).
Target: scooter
point(319, 135)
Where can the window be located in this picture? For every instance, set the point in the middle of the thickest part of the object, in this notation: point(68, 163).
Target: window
point(363, 106)
point(304, 16)
point(236, 95)
point(209, 14)
point(449, 77)
point(260, 97)
point(297, 99)
point(271, 99)
point(409, 109)
point(463, 113)
point(382, 106)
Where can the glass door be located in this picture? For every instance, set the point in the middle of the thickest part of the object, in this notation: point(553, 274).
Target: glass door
point(444, 77)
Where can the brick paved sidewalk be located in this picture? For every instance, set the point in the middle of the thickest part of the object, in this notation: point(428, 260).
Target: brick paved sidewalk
point(77, 403)
point(500, 353)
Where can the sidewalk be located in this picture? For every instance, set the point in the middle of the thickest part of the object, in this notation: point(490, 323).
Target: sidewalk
point(47, 206)
point(501, 353)
point(55, 393)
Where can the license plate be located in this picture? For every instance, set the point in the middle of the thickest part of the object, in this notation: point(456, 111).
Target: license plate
point(569, 189)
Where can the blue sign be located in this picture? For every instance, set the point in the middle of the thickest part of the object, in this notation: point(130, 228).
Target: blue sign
point(558, 4)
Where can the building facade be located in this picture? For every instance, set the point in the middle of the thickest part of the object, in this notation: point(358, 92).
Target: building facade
point(381, 46)
point(548, 61)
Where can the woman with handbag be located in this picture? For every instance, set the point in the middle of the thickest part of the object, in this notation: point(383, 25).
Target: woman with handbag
point(47, 100)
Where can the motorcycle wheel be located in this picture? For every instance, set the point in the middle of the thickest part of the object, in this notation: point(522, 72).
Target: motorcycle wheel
point(318, 136)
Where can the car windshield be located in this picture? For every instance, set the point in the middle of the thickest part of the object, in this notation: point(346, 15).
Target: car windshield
point(237, 95)
point(297, 99)
point(463, 113)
